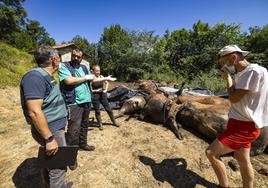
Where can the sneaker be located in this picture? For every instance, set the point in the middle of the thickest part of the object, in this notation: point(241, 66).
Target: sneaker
point(101, 127)
point(69, 184)
point(73, 167)
point(87, 148)
point(116, 125)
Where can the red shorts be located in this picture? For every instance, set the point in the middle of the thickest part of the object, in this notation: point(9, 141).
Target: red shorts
point(239, 134)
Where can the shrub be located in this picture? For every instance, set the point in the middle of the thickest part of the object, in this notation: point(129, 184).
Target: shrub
point(210, 80)
point(13, 64)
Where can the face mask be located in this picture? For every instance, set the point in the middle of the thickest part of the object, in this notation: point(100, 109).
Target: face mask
point(230, 69)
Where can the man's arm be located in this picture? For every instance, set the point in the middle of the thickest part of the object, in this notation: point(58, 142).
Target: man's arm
point(103, 79)
point(90, 77)
point(66, 76)
point(40, 123)
point(75, 80)
point(235, 95)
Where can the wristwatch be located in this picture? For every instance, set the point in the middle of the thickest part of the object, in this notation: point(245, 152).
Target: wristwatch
point(49, 139)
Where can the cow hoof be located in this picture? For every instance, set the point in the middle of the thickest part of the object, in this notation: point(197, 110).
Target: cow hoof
point(233, 165)
point(263, 172)
point(179, 136)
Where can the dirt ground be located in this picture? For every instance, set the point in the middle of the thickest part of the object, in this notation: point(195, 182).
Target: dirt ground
point(138, 154)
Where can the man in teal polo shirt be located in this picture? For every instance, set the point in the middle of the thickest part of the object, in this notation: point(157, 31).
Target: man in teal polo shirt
point(74, 78)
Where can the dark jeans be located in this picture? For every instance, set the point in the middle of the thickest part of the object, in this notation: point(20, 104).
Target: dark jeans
point(100, 98)
point(53, 178)
point(78, 124)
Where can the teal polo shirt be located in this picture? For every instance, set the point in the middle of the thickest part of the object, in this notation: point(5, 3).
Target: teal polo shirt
point(82, 91)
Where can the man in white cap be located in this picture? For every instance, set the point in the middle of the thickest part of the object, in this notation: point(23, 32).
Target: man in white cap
point(248, 94)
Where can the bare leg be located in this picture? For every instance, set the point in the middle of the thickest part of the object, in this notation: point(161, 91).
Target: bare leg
point(246, 168)
point(213, 152)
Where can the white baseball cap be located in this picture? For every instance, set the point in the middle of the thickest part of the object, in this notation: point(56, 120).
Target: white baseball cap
point(230, 49)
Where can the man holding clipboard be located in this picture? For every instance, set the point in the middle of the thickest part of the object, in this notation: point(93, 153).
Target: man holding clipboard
point(44, 109)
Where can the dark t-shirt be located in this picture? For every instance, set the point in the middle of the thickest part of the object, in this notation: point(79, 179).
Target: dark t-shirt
point(97, 85)
point(34, 86)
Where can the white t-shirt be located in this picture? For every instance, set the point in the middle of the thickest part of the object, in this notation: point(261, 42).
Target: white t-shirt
point(253, 106)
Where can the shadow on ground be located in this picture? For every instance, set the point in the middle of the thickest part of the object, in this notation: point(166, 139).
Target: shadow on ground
point(27, 175)
point(174, 171)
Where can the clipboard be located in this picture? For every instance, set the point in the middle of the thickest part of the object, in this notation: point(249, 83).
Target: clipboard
point(65, 156)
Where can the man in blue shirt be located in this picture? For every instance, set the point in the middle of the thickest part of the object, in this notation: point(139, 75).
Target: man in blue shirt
point(44, 109)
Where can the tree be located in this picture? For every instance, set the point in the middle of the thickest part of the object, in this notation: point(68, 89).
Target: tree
point(193, 52)
point(39, 34)
point(17, 30)
point(22, 40)
point(12, 17)
point(114, 44)
point(257, 43)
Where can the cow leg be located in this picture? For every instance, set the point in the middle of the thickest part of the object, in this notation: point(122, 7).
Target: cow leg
point(174, 126)
point(141, 117)
point(178, 132)
point(128, 118)
point(118, 115)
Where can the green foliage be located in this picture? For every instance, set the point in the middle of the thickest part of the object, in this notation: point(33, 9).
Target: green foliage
point(114, 44)
point(17, 30)
point(194, 51)
point(164, 73)
point(257, 43)
point(183, 55)
point(21, 40)
point(210, 80)
point(12, 16)
point(13, 64)
point(38, 34)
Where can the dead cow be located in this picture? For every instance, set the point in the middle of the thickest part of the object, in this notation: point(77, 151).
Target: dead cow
point(132, 106)
point(157, 109)
point(160, 109)
point(210, 120)
point(148, 86)
point(207, 115)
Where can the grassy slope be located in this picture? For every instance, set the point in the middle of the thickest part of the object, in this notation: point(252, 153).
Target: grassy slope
point(13, 64)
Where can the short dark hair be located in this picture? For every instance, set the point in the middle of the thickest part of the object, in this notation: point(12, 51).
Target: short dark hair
point(43, 54)
point(76, 49)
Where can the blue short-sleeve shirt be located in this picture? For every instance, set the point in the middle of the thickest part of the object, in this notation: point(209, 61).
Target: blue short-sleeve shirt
point(34, 86)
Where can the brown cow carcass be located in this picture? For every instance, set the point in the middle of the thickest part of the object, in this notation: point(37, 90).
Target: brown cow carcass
point(131, 106)
point(160, 109)
point(208, 116)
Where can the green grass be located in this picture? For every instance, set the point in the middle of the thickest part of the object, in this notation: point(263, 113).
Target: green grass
point(13, 64)
point(210, 81)
point(163, 73)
